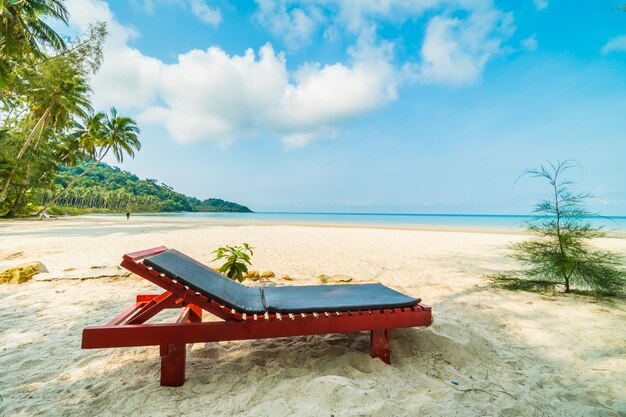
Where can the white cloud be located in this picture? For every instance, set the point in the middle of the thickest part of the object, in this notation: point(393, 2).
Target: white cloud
point(331, 93)
point(352, 15)
point(295, 25)
point(200, 8)
point(298, 140)
point(456, 47)
point(530, 43)
point(616, 44)
point(357, 15)
point(211, 95)
point(210, 15)
point(83, 13)
point(541, 4)
point(127, 77)
point(455, 51)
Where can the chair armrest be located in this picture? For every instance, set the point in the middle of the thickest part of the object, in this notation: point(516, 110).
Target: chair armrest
point(135, 256)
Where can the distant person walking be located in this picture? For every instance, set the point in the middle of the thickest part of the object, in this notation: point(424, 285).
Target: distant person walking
point(127, 215)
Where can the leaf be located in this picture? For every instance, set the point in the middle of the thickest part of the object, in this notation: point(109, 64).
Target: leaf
point(236, 259)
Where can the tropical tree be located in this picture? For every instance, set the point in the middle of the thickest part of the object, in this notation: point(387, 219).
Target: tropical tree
point(43, 92)
point(54, 98)
point(561, 252)
point(103, 134)
point(24, 33)
point(122, 136)
point(38, 173)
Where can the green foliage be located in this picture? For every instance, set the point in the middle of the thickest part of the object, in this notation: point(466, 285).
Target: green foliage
point(102, 134)
point(560, 252)
point(41, 97)
point(109, 189)
point(216, 205)
point(66, 211)
point(24, 33)
point(236, 259)
point(513, 281)
point(50, 100)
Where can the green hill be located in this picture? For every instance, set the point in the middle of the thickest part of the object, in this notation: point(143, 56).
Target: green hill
point(109, 189)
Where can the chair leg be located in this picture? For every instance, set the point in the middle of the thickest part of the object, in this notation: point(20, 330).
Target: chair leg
point(379, 345)
point(173, 365)
point(173, 356)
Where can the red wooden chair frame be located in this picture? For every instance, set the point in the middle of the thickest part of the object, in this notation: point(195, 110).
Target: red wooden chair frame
point(129, 328)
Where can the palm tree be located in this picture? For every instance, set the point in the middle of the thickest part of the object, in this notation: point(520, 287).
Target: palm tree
point(59, 95)
point(101, 135)
point(23, 32)
point(121, 136)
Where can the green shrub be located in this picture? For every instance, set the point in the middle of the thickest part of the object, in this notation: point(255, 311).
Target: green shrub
point(236, 259)
point(560, 251)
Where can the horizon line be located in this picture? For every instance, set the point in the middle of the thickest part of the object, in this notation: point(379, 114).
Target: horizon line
point(430, 214)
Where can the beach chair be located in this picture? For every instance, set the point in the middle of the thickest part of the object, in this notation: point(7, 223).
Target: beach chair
point(245, 312)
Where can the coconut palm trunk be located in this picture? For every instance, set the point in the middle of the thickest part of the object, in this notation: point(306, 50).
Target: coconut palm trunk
point(38, 126)
point(21, 193)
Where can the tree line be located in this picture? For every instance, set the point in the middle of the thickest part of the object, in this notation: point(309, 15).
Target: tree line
point(108, 189)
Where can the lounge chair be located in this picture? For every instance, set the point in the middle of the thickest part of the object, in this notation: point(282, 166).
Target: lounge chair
point(247, 312)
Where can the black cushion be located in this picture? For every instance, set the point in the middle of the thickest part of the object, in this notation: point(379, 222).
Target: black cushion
point(324, 298)
point(288, 299)
point(207, 282)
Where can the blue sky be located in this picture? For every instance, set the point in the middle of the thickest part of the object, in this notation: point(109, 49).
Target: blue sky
point(432, 106)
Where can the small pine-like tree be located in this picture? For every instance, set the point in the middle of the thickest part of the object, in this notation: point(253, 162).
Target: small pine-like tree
point(560, 252)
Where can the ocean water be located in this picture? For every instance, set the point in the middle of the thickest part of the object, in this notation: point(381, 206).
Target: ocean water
point(610, 223)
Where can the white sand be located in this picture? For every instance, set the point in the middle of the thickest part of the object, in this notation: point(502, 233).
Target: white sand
point(512, 353)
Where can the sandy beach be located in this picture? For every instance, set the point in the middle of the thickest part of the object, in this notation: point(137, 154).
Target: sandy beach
point(511, 353)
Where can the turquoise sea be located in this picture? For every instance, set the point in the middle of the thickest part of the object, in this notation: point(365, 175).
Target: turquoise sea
point(610, 223)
